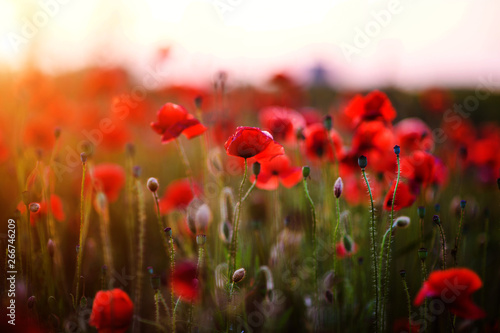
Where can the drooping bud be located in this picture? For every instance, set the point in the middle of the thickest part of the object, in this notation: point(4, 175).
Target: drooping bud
point(31, 302)
point(422, 253)
point(462, 204)
point(362, 161)
point(327, 122)
point(201, 239)
point(225, 231)
point(34, 207)
point(83, 158)
point(348, 243)
point(436, 220)
point(401, 222)
point(153, 184)
point(256, 168)
point(239, 275)
point(306, 171)
point(50, 247)
point(402, 273)
point(168, 231)
point(421, 212)
point(338, 187)
point(397, 149)
point(203, 217)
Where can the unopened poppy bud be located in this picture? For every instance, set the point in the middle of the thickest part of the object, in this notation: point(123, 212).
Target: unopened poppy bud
point(130, 149)
point(338, 187)
point(362, 161)
point(421, 212)
point(239, 275)
point(50, 247)
point(327, 122)
point(401, 222)
point(462, 204)
point(306, 171)
point(422, 253)
point(153, 184)
point(197, 101)
point(83, 158)
point(155, 281)
point(203, 217)
point(225, 231)
point(34, 207)
point(256, 168)
point(402, 273)
point(436, 220)
point(437, 208)
point(348, 243)
point(397, 149)
point(329, 296)
point(31, 302)
point(57, 132)
point(136, 171)
point(300, 134)
point(168, 231)
point(201, 240)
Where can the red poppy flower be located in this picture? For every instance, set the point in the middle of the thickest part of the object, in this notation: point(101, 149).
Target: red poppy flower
point(174, 120)
point(422, 168)
point(374, 106)
point(248, 142)
point(185, 282)
point(454, 288)
point(40, 133)
point(279, 169)
point(402, 325)
point(108, 178)
point(404, 197)
point(112, 311)
point(355, 190)
point(56, 209)
point(178, 195)
point(413, 134)
point(281, 122)
point(318, 143)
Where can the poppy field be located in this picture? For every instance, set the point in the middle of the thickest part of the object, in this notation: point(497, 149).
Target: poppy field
point(230, 207)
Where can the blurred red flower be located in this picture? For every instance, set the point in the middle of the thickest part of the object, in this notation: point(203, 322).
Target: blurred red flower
point(112, 311)
point(402, 325)
point(454, 288)
point(279, 169)
point(281, 122)
point(39, 133)
point(174, 120)
point(56, 209)
point(108, 178)
point(404, 197)
point(185, 282)
point(252, 142)
point(422, 169)
point(374, 106)
point(413, 134)
point(178, 195)
point(319, 142)
point(342, 252)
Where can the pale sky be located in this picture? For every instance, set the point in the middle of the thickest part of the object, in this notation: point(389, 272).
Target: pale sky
point(409, 43)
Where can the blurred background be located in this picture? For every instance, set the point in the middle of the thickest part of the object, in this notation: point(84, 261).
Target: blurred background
point(352, 44)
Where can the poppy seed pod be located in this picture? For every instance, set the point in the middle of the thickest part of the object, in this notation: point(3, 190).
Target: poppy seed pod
point(338, 187)
point(153, 184)
point(462, 204)
point(83, 157)
point(327, 122)
point(362, 161)
point(421, 212)
point(436, 220)
point(422, 253)
point(34, 207)
point(239, 275)
point(397, 149)
point(306, 171)
point(256, 169)
point(168, 231)
point(402, 273)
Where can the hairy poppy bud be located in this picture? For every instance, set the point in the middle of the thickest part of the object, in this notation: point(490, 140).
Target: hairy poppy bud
point(436, 220)
point(239, 275)
point(402, 273)
point(397, 149)
point(362, 161)
point(421, 212)
point(168, 231)
point(34, 207)
point(338, 187)
point(401, 222)
point(153, 184)
point(327, 122)
point(462, 204)
point(203, 217)
point(348, 243)
point(256, 168)
point(83, 157)
point(201, 240)
point(306, 171)
point(50, 247)
point(422, 253)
